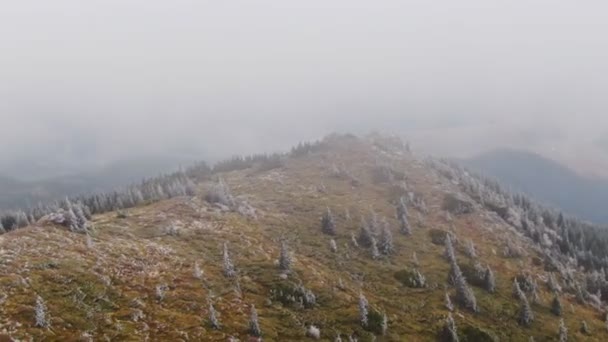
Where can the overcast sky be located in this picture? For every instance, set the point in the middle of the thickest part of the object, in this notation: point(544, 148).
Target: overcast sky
point(93, 81)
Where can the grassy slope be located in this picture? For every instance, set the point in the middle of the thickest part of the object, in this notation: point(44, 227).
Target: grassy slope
point(97, 290)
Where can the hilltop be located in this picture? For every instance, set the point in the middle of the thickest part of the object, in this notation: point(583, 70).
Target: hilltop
point(249, 233)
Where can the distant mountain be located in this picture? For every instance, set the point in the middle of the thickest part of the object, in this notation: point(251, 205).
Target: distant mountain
point(17, 194)
point(547, 181)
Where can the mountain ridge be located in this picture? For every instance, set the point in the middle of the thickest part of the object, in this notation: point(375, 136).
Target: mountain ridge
point(133, 274)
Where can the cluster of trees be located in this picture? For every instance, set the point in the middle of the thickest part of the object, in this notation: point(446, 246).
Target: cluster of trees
point(566, 242)
point(464, 294)
point(264, 162)
point(73, 212)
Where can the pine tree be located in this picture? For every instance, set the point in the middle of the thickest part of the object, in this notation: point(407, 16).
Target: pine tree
point(556, 306)
point(365, 235)
point(464, 294)
point(363, 310)
point(402, 216)
point(328, 225)
point(353, 240)
point(285, 258)
point(489, 280)
point(585, 328)
point(404, 225)
point(386, 241)
point(418, 280)
point(213, 320)
point(450, 333)
point(160, 291)
point(517, 292)
point(384, 325)
point(470, 249)
point(254, 325)
point(415, 261)
point(197, 272)
point(553, 284)
point(526, 316)
point(448, 302)
point(229, 270)
point(333, 247)
point(449, 249)
point(563, 331)
point(42, 320)
point(401, 207)
point(374, 249)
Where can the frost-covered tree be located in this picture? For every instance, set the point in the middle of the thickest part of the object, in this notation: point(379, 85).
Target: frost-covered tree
point(285, 258)
point(42, 319)
point(254, 324)
point(229, 270)
point(220, 194)
point(333, 247)
point(313, 332)
point(384, 325)
point(81, 219)
point(89, 241)
point(470, 249)
point(404, 225)
point(448, 302)
point(213, 319)
point(22, 220)
point(517, 292)
point(386, 241)
point(449, 333)
point(374, 249)
point(401, 207)
point(585, 328)
point(353, 240)
point(197, 273)
point(489, 280)
point(526, 316)
point(418, 280)
point(580, 294)
point(563, 331)
point(365, 235)
point(415, 261)
point(553, 284)
point(328, 224)
point(449, 249)
point(160, 292)
point(464, 294)
point(363, 310)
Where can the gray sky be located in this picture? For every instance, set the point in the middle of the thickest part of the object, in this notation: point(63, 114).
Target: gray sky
point(92, 81)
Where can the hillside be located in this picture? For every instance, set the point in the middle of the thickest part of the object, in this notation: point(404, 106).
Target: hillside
point(546, 180)
point(134, 276)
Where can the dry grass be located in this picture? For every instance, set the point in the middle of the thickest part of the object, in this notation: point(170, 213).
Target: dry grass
point(98, 292)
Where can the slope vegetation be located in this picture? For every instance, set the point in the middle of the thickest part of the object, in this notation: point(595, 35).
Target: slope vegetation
point(136, 276)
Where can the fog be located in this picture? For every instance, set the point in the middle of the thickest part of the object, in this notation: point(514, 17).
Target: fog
point(85, 83)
